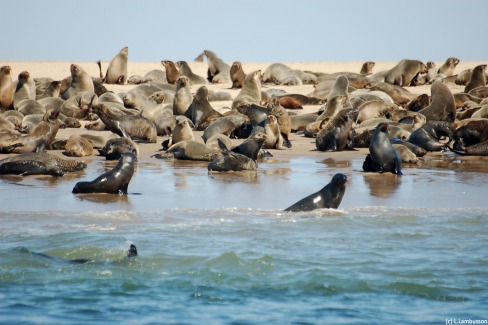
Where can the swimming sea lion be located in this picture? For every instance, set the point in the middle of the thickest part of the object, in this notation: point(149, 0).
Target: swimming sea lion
point(237, 75)
point(218, 70)
point(329, 197)
point(404, 72)
point(442, 106)
point(172, 73)
point(382, 156)
point(115, 181)
point(478, 78)
point(336, 134)
point(38, 163)
point(186, 71)
point(117, 68)
point(6, 88)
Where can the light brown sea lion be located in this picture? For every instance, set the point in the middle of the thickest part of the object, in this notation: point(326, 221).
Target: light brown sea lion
point(117, 68)
point(237, 75)
point(250, 93)
point(213, 142)
point(478, 78)
point(186, 71)
point(30, 106)
point(52, 90)
point(15, 117)
point(406, 155)
point(290, 103)
point(25, 89)
point(218, 70)
point(7, 88)
point(79, 105)
point(96, 125)
point(400, 95)
point(334, 105)
point(274, 139)
point(156, 107)
point(80, 81)
point(183, 97)
point(418, 103)
point(283, 119)
point(200, 112)
point(281, 74)
point(77, 146)
point(172, 73)
point(479, 92)
point(224, 125)
point(373, 109)
point(97, 141)
point(442, 106)
point(367, 68)
point(431, 71)
point(6, 124)
point(404, 72)
point(299, 122)
point(448, 67)
point(463, 77)
point(193, 150)
point(182, 130)
point(336, 134)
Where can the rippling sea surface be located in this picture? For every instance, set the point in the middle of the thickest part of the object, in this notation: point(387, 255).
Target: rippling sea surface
point(217, 249)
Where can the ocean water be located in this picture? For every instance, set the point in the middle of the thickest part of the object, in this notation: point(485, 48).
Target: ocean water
point(218, 249)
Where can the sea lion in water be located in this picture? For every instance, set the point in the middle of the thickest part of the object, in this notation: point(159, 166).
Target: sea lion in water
point(382, 156)
point(218, 70)
point(172, 73)
point(478, 78)
point(186, 71)
point(329, 197)
point(114, 148)
point(442, 106)
point(404, 72)
point(115, 181)
point(132, 252)
point(237, 75)
point(117, 68)
point(429, 135)
point(38, 163)
point(6, 88)
point(231, 161)
point(336, 135)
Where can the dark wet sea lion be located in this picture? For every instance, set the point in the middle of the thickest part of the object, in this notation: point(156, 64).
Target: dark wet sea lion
point(38, 163)
point(114, 148)
point(231, 161)
point(429, 135)
point(336, 134)
point(382, 156)
point(115, 181)
point(329, 197)
point(471, 133)
point(251, 146)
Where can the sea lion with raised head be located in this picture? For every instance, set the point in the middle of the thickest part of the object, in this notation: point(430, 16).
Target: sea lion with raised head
point(218, 70)
point(251, 146)
point(200, 112)
point(7, 88)
point(442, 106)
point(237, 75)
point(382, 156)
point(367, 68)
point(117, 68)
point(404, 72)
point(80, 81)
point(25, 89)
point(329, 197)
point(478, 78)
point(115, 181)
point(172, 73)
point(448, 67)
point(250, 93)
point(336, 135)
point(183, 97)
point(186, 71)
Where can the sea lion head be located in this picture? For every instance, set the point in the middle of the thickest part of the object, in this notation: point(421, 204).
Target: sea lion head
point(6, 69)
point(24, 75)
point(125, 50)
point(383, 127)
point(182, 82)
point(339, 179)
point(74, 69)
point(430, 64)
point(158, 97)
point(423, 67)
point(271, 119)
point(453, 61)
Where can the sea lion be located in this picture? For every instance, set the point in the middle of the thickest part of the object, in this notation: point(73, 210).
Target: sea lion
point(29, 107)
point(224, 125)
point(77, 146)
point(79, 105)
point(429, 135)
point(231, 161)
point(448, 67)
point(172, 73)
point(251, 146)
point(442, 106)
point(25, 89)
point(135, 127)
point(237, 75)
point(115, 181)
point(478, 78)
point(418, 151)
point(156, 107)
point(200, 112)
point(114, 148)
point(38, 163)
point(404, 72)
point(117, 68)
point(182, 130)
point(299, 122)
point(336, 134)
point(183, 97)
point(281, 74)
point(406, 155)
point(463, 77)
point(52, 90)
point(80, 81)
point(400, 95)
point(214, 141)
point(132, 252)
point(329, 197)
point(186, 71)
point(7, 88)
point(479, 149)
point(283, 119)
point(274, 139)
point(193, 150)
point(382, 156)
point(418, 103)
point(478, 93)
point(155, 75)
point(373, 109)
point(250, 93)
point(367, 68)
point(471, 133)
point(218, 70)
point(431, 71)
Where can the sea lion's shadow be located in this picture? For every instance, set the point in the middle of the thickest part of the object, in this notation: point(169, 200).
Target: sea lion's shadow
point(105, 198)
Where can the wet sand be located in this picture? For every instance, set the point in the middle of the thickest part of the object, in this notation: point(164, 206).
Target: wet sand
point(440, 180)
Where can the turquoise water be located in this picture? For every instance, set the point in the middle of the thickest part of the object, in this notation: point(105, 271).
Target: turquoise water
point(409, 251)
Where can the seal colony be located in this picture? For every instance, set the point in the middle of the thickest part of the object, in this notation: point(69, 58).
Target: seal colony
point(400, 113)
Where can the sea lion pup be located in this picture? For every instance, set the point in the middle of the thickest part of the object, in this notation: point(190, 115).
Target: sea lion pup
point(224, 125)
point(250, 93)
point(218, 70)
point(25, 89)
point(77, 146)
point(448, 67)
point(404, 72)
point(231, 161)
point(274, 139)
point(329, 197)
point(115, 181)
point(418, 151)
point(131, 253)
point(80, 81)
point(431, 72)
point(52, 90)
point(193, 150)
point(38, 163)
point(367, 68)
point(182, 131)
point(200, 112)
point(429, 135)
point(130, 126)
point(373, 109)
point(406, 155)
point(336, 134)
point(283, 119)
point(155, 107)
point(442, 106)
point(114, 148)
point(172, 74)
point(7, 88)
point(251, 146)
point(186, 71)
point(471, 133)
point(117, 68)
point(237, 75)
point(478, 78)
point(183, 97)
point(382, 156)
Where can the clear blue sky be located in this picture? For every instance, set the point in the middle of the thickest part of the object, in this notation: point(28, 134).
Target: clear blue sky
point(250, 31)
